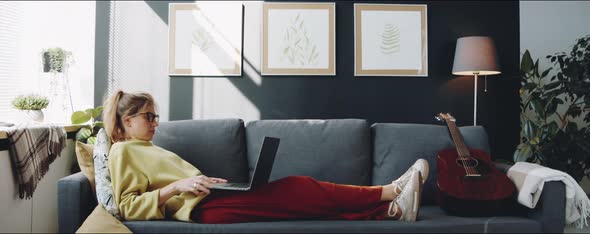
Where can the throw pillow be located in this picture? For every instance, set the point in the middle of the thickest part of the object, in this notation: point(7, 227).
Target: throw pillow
point(99, 221)
point(104, 188)
point(85, 161)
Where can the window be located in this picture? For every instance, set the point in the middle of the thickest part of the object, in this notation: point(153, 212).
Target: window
point(28, 28)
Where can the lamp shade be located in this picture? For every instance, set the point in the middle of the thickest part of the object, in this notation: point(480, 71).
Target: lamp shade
point(475, 55)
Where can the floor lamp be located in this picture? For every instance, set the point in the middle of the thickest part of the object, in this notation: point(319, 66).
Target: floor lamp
point(475, 56)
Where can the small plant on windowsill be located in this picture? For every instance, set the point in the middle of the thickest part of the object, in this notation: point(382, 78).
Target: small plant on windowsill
point(31, 105)
point(87, 134)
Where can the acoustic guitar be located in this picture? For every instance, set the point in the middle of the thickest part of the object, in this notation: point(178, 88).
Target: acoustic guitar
point(468, 183)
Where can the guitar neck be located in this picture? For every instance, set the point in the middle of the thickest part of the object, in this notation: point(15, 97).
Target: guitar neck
point(458, 140)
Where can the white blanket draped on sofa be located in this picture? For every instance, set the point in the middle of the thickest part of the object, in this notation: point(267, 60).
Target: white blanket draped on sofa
point(529, 179)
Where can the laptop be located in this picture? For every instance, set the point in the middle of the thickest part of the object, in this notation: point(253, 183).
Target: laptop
point(266, 158)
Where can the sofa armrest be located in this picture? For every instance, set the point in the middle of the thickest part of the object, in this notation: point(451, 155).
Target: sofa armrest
point(550, 209)
point(75, 201)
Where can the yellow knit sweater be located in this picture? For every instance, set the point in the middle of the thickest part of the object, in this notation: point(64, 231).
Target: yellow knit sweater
point(139, 170)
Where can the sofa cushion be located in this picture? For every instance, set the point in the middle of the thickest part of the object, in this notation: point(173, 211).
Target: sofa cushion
point(397, 146)
point(431, 220)
point(336, 150)
point(216, 147)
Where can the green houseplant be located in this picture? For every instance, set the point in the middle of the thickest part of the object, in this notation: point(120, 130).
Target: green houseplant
point(31, 105)
point(30, 102)
point(54, 59)
point(556, 111)
point(87, 134)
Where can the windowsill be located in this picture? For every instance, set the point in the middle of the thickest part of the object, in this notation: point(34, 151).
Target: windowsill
point(69, 130)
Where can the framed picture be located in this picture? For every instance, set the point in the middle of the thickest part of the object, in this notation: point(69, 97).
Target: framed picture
point(298, 39)
point(205, 39)
point(390, 40)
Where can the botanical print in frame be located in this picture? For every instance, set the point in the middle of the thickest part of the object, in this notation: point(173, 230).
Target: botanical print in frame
point(205, 39)
point(298, 39)
point(390, 40)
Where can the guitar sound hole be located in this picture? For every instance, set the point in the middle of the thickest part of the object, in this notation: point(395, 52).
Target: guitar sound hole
point(467, 163)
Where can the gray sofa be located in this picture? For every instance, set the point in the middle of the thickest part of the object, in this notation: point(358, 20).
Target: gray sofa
point(349, 151)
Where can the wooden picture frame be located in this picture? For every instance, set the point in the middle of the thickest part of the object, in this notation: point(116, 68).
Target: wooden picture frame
point(299, 39)
point(390, 40)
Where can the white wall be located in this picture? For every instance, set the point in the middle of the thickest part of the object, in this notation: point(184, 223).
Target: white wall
point(71, 26)
point(219, 98)
point(547, 27)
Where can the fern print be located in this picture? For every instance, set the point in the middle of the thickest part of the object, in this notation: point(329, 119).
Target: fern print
point(297, 47)
point(390, 39)
point(202, 39)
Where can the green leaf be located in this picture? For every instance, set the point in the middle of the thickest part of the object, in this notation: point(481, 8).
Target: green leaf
point(83, 134)
point(560, 76)
point(546, 72)
point(526, 63)
point(99, 124)
point(536, 68)
point(551, 107)
point(523, 152)
point(530, 86)
point(528, 129)
point(552, 128)
point(91, 140)
point(571, 127)
point(80, 117)
point(560, 60)
point(96, 112)
point(552, 85)
point(537, 107)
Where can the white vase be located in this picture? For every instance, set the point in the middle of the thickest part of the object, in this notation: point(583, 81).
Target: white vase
point(33, 115)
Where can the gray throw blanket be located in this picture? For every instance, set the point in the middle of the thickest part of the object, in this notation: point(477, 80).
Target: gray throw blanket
point(32, 149)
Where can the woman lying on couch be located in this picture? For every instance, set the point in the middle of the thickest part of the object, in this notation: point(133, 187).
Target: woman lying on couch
point(150, 182)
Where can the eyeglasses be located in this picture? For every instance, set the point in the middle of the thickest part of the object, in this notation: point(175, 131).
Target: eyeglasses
point(150, 117)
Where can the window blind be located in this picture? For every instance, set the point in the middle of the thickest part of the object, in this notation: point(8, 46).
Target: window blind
point(11, 14)
point(131, 47)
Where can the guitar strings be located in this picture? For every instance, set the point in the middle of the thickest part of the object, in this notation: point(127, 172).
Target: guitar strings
point(461, 149)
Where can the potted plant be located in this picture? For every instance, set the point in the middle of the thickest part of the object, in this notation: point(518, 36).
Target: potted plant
point(31, 105)
point(87, 134)
point(54, 59)
point(555, 129)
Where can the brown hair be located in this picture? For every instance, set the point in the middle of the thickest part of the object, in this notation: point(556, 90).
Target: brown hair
point(120, 105)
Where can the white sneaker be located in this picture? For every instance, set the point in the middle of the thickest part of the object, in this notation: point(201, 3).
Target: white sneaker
point(408, 202)
point(420, 165)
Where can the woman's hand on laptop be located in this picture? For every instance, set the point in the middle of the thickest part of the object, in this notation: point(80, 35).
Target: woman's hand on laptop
point(198, 184)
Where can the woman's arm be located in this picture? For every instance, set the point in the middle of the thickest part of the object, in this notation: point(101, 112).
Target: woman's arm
point(195, 184)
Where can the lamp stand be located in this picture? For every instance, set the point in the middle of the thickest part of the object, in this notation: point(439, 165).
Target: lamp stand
point(475, 98)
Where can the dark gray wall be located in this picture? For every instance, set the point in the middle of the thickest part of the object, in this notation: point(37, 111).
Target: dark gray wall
point(383, 99)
